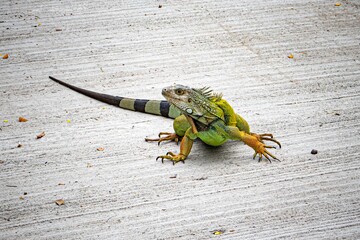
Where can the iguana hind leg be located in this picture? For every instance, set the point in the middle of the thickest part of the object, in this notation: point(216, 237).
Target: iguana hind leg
point(180, 126)
point(168, 137)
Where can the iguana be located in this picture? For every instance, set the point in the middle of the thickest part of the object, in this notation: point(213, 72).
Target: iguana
point(198, 113)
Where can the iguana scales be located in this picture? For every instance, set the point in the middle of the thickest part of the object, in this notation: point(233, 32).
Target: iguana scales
point(198, 113)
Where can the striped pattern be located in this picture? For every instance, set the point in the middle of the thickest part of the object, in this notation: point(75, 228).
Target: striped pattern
point(156, 107)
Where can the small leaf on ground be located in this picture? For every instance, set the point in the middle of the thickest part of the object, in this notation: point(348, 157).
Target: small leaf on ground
point(22, 119)
point(60, 202)
point(40, 135)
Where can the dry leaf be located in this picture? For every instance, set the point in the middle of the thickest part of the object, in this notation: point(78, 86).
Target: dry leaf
point(6, 56)
point(100, 149)
point(22, 119)
point(337, 4)
point(40, 135)
point(21, 198)
point(218, 232)
point(61, 184)
point(290, 56)
point(60, 202)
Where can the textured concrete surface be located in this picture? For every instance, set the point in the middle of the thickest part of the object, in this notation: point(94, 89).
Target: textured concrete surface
point(134, 48)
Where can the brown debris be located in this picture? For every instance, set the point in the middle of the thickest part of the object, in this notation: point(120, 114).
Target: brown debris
point(22, 119)
point(60, 202)
point(40, 135)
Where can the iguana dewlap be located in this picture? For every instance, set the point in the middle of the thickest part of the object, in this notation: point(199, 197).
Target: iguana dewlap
point(197, 113)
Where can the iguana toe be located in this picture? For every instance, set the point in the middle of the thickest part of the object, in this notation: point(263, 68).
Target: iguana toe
point(266, 137)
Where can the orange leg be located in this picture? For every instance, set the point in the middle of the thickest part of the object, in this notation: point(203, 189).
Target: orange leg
point(256, 142)
point(185, 148)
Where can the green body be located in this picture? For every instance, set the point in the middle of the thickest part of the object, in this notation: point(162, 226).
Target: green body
point(216, 134)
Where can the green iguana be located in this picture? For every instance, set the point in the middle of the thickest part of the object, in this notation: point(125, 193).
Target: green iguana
point(198, 113)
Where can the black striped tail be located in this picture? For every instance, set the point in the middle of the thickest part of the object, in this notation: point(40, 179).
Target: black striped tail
point(109, 99)
point(156, 107)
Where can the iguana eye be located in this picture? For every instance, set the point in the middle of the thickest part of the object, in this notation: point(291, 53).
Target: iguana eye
point(179, 91)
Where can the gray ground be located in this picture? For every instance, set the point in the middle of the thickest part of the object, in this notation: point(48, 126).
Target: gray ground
point(134, 48)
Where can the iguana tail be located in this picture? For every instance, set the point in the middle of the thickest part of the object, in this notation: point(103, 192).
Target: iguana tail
point(156, 107)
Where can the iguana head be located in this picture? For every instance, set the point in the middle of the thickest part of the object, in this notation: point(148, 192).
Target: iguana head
point(199, 104)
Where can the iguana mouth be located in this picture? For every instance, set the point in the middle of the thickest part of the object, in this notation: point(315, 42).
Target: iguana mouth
point(165, 93)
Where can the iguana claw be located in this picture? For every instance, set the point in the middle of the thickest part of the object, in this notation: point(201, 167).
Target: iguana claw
point(175, 158)
point(261, 147)
point(266, 154)
point(264, 137)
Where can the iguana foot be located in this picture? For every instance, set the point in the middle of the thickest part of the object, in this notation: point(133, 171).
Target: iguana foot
point(260, 147)
point(261, 150)
point(169, 137)
point(175, 158)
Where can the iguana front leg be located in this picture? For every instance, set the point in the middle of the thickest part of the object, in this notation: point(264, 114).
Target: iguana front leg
point(255, 141)
point(185, 148)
